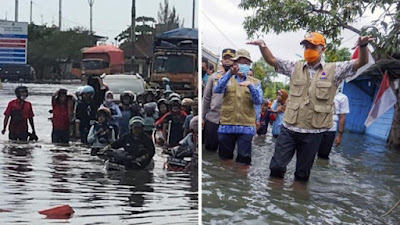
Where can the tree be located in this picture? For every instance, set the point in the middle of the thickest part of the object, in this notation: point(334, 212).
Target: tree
point(48, 46)
point(329, 17)
point(168, 16)
point(265, 73)
point(337, 55)
point(142, 29)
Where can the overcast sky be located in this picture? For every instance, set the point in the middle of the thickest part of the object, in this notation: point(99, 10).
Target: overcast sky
point(109, 17)
point(224, 15)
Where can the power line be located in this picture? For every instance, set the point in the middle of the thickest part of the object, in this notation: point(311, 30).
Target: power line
point(222, 33)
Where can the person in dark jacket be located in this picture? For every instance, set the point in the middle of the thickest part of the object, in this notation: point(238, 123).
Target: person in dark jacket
point(86, 112)
point(138, 147)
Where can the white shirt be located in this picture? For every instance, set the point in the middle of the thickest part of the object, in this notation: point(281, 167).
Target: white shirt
point(341, 107)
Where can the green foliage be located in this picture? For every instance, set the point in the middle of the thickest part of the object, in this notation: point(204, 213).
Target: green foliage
point(329, 17)
point(265, 73)
point(48, 45)
point(271, 89)
point(141, 29)
point(337, 55)
point(168, 16)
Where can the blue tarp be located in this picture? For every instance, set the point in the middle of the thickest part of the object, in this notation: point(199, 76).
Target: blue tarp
point(182, 33)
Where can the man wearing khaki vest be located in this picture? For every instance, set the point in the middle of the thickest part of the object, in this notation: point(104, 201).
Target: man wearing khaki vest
point(308, 112)
point(237, 120)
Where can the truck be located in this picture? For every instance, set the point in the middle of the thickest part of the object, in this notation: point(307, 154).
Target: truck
point(175, 57)
point(98, 60)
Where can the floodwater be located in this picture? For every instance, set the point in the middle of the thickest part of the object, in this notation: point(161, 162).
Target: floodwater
point(40, 175)
point(359, 184)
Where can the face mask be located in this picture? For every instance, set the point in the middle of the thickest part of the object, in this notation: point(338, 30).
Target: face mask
point(23, 97)
point(109, 100)
point(311, 55)
point(227, 68)
point(244, 69)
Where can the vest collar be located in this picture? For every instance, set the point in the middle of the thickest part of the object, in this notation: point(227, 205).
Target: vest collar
point(321, 63)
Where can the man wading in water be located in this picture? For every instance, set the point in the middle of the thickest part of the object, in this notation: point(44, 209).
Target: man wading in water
point(308, 112)
point(238, 116)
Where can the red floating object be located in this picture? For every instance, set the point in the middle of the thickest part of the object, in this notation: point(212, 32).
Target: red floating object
point(5, 210)
point(58, 212)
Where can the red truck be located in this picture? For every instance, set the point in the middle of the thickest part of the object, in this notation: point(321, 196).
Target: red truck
point(101, 59)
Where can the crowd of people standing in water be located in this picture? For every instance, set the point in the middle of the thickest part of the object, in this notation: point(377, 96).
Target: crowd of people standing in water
point(307, 119)
point(134, 122)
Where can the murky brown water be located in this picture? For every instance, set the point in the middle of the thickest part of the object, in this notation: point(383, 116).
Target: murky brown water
point(360, 183)
point(40, 175)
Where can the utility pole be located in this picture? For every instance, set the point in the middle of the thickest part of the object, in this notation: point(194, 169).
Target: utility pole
point(30, 16)
point(194, 5)
point(16, 10)
point(133, 36)
point(91, 2)
point(59, 14)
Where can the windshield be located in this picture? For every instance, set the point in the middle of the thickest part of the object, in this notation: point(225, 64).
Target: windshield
point(173, 64)
point(118, 86)
point(92, 64)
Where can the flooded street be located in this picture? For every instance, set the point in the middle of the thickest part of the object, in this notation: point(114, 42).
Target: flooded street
point(41, 175)
point(359, 184)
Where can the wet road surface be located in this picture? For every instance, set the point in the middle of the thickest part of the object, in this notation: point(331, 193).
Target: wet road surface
point(359, 183)
point(41, 175)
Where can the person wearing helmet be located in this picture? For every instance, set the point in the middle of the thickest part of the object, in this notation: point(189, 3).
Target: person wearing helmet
point(128, 110)
point(149, 96)
point(61, 117)
point(188, 144)
point(86, 112)
point(167, 93)
point(173, 123)
point(149, 116)
point(102, 132)
point(138, 147)
point(194, 112)
point(116, 114)
point(174, 95)
point(187, 105)
point(99, 89)
point(20, 111)
point(162, 106)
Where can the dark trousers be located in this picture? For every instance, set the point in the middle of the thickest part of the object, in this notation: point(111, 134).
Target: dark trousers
point(262, 130)
point(326, 144)
point(210, 136)
point(18, 136)
point(227, 143)
point(304, 144)
point(60, 136)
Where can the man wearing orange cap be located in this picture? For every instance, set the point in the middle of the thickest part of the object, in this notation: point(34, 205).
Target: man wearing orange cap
point(308, 112)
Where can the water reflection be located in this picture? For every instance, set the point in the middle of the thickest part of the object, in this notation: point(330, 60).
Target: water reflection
point(359, 183)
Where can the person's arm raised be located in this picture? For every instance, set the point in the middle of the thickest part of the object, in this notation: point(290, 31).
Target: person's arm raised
point(266, 53)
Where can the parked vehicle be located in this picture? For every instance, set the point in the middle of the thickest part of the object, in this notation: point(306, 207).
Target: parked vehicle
point(98, 60)
point(15, 72)
point(175, 57)
point(118, 83)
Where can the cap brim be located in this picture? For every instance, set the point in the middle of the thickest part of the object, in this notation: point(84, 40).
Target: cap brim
point(230, 54)
point(237, 57)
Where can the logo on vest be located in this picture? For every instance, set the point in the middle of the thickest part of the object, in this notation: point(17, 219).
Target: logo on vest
point(323, 76)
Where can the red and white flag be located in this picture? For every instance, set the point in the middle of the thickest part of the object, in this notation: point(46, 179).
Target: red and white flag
point(385, 99)
point(355, 55)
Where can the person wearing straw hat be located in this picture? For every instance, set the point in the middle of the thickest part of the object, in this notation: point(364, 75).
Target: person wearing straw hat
point(238, 114)
point(212, 102)
point(308, 111)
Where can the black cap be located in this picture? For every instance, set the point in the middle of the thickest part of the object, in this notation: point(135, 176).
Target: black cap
point(229, 51)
